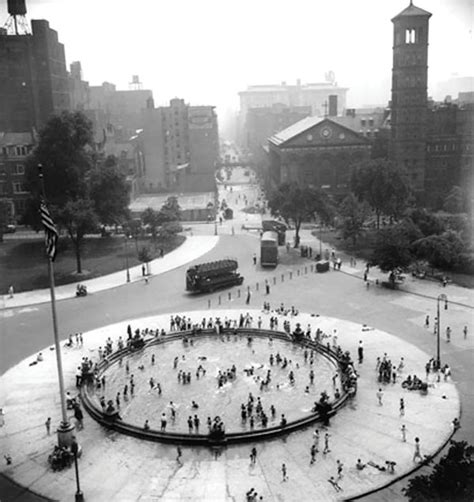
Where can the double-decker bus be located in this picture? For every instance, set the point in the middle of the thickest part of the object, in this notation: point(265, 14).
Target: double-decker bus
point(206, 277)
point(269, 249)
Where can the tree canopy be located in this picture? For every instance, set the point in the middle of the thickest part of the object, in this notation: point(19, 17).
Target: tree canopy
point(451, 480)
point(352, 217)
point(382, 186)
point(297, 204)
point(393, 247)
point(440, 251)
point(80, 192)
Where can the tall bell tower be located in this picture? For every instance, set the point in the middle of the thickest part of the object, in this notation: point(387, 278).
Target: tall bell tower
point(409, 93)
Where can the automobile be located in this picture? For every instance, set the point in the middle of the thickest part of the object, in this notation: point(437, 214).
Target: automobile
point(9, 229)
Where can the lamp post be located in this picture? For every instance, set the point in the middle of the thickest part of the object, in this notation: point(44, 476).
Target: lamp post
point(79, 497)
point(126, 257)
point(441, 297)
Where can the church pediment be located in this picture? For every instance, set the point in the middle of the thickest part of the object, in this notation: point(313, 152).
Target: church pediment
point(325, 133)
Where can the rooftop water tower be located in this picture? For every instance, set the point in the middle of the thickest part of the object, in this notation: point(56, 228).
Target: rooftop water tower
point(16, 23)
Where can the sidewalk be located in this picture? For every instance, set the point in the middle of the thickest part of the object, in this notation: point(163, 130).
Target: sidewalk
point(191, 249)
point(421, 287)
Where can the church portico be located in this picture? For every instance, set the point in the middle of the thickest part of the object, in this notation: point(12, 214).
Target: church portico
point(317, 152)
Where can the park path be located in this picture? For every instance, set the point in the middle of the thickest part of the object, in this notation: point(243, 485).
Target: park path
point(191, 249)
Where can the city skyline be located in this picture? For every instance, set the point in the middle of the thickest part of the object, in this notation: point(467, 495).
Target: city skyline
point(207, 59)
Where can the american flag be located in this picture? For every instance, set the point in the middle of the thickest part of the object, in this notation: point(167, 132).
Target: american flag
point(51, 234)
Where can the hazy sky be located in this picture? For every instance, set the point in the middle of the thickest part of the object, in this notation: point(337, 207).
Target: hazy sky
point(205, 51)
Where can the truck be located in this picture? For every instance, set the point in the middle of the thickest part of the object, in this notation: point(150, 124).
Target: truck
point(206, 277)
point(275, 226)
point(269, 249)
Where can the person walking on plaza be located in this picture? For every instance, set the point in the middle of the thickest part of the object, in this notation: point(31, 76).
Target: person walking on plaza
point(79, 416)
point(360, 352)
point(267, 287)
point(284, 472)
point(340, 466)
point(313, 452)
point(417, 453)
point(11, 291)
point(179, 454)
point(255, 258)
point(465, 332)
point(403, 428)
point(448, 334)
point(379, 395)
point(316, 439)
point(48, 426)
point(253, 456)
point(427, 321)
point(249, 295)
point(402, 407)
point(326, 443)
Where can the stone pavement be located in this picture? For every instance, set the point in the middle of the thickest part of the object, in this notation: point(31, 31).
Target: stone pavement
point(191, 249)
point(119, 468)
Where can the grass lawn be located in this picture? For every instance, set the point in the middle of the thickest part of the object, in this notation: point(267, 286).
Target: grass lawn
point(23, 263)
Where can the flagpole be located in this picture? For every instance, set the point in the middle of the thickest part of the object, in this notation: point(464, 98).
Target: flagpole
point(65, 429)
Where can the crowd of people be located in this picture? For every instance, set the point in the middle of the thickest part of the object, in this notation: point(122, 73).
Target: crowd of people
point(252, 412)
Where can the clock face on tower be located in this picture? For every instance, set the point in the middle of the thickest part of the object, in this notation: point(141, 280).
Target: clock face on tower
point(326, 132)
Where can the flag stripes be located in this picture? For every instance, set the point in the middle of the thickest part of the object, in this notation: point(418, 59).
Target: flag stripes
point(51, 233)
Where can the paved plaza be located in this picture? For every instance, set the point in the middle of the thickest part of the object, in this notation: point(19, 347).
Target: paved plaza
point(116, 467)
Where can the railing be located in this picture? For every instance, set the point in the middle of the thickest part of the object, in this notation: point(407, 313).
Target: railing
point(207, 439)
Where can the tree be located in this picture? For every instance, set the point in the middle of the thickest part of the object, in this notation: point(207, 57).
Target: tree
point(109, 191)
point(150, 218)
point(393, 247)
point(78, 218)
point(353, 215)
point(170, 211)
point(451, 480)
point(428, 223)
point(78, 196)
point(441, 251)
point(297, 204)
point(382, 186)
point(454, 201)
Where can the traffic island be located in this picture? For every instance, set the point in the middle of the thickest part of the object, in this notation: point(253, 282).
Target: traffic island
point(116, 466)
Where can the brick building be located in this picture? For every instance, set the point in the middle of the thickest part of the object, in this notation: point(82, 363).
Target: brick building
point(180, 146)
point(14, 149)
point(33, 78)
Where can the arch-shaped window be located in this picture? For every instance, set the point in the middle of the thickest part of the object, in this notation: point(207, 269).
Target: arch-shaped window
point(410, 36)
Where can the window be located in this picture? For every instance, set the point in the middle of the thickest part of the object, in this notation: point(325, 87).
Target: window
point(21, 151)
point(20, 206)
point(362, 122)
point(2, 169)
point(19, 169)
point(19, 187)
point(410, 36)
point(2, 189)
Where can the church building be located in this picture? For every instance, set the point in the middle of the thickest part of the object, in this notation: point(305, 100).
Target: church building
point(317, 152)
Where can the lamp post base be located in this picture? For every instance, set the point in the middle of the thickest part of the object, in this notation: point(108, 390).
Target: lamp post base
point(79, 497)
point(65, 433)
